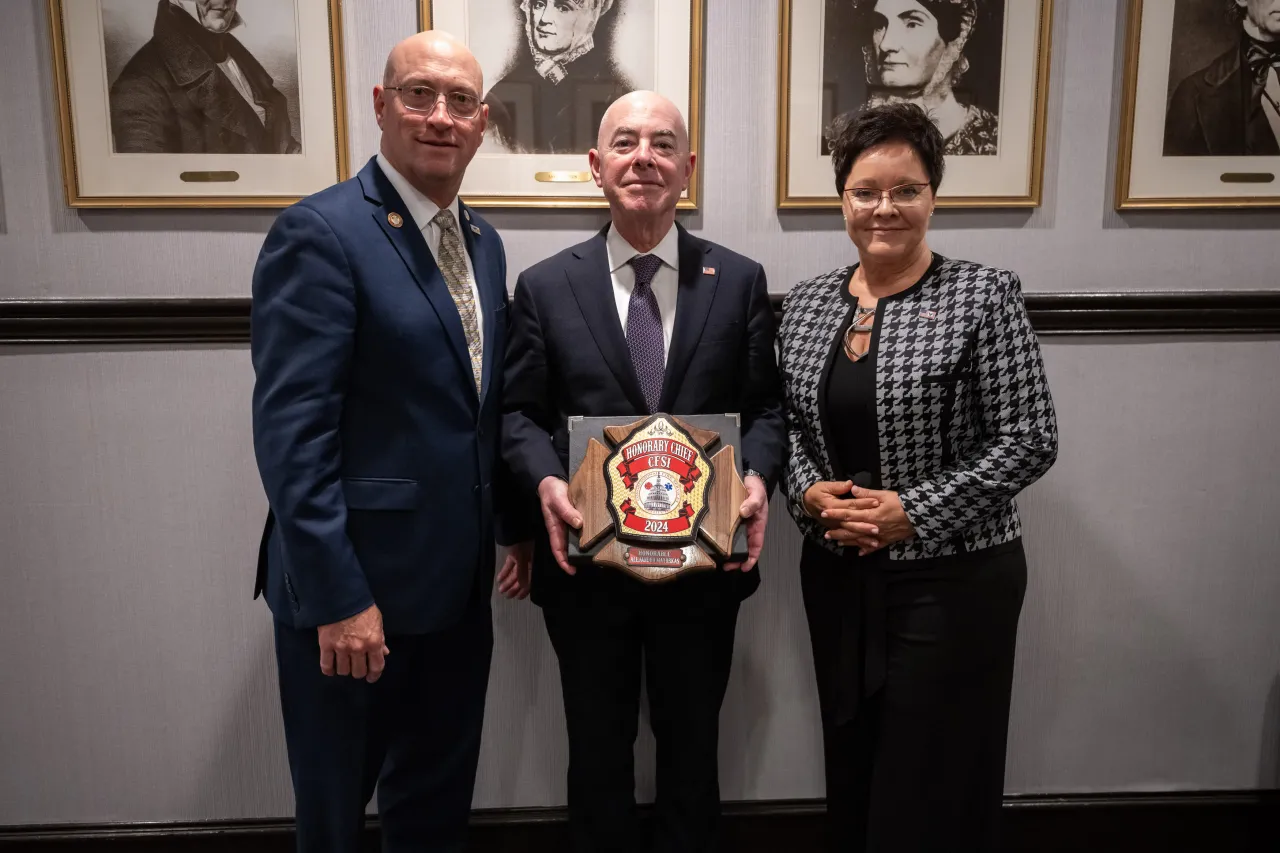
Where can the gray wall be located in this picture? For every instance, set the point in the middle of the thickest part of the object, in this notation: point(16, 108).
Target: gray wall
point(141, 680)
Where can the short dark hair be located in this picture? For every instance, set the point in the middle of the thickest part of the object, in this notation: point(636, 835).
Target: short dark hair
point(851, 134)
point(950, 16)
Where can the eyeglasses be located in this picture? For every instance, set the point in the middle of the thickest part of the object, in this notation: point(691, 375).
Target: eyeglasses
point(423, 99)
point(903, 195)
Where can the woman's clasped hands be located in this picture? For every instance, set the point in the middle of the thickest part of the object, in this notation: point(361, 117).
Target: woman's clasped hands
point(868, 519)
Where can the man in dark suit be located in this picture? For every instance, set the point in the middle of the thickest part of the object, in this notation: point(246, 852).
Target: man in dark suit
point(561, 75)
point(643, 317)
point(195, 89)
point(379, 327)
point(1232, 106)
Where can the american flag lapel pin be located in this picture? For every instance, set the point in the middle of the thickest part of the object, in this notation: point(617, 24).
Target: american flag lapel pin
point(929, 315)
point(708, 270)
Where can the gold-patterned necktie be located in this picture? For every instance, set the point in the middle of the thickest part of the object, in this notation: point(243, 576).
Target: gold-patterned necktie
point(452, 260)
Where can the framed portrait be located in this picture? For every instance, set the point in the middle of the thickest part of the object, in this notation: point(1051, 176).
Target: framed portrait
point(551, 69)
point(198, 103)
point(1201, 120)
point(980, 68)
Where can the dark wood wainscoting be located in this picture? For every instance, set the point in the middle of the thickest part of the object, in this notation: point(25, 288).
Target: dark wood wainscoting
point(226, 320)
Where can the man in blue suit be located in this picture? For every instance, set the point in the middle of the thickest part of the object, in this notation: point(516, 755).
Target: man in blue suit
point(379, 330)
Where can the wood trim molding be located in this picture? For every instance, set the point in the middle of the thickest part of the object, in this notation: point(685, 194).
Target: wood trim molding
point(225, 320)
point(1173, 822)
point(124, 321)
point(1165, 313)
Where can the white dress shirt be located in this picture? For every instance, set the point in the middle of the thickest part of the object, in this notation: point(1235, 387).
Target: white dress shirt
point(665, 283)
point(229, 67)
point(422, 211)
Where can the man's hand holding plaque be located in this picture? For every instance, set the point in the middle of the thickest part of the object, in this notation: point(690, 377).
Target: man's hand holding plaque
point(755, 512)
point(558, 511)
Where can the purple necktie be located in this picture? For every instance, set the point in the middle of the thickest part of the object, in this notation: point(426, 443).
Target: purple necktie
point(644, 330)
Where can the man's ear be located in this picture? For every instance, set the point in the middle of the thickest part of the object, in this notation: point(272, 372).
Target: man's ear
point(379, 103)
point(594, 161)
point(688, 170)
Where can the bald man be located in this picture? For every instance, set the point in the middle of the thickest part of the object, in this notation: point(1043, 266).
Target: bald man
point(379, 331)
point(643, 317)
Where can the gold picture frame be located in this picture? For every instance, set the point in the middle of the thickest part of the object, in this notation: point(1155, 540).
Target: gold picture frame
point(498, 178)
point(96, 176)
point(1149, 176)
point(1016, 171)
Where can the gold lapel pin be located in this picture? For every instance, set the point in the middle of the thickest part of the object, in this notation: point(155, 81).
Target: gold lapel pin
point(467, 214)
point(395, 219)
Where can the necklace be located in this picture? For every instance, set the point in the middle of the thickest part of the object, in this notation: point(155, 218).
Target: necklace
point(863, 323)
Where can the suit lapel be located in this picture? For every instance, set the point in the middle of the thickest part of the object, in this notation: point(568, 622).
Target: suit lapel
point(694, 296)
point(279, 134)
point(412, 248)
point(220, 101)
point(1223, 111)
point(592, 286)
point(488, 284)
point(1259, 139)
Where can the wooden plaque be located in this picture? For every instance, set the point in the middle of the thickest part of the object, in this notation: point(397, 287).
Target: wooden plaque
point(660, 496)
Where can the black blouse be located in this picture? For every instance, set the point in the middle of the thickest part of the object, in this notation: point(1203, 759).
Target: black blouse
point(851, 408)
point(848, 603)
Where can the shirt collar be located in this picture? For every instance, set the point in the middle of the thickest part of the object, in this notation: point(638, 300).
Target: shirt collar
point(421, 208)
point(620, 251)
point(189, 6)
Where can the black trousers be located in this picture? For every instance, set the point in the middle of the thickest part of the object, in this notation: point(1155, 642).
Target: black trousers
point(919, 766)
point(685, 643)
point(415, 734)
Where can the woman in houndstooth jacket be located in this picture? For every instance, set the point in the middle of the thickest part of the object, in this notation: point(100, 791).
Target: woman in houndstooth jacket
point(918, 409)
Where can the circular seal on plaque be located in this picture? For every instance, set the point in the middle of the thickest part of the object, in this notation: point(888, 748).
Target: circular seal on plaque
point(657, 493)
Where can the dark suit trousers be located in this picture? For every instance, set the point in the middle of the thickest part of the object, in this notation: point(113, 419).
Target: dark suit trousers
point(920, 766)
point(415, 734)
point(684, 638)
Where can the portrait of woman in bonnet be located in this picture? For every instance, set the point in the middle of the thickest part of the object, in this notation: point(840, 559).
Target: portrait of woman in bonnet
point(923, 52)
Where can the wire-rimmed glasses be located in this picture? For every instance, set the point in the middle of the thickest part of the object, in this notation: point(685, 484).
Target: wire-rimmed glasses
point(421, 98)
point(903, 195)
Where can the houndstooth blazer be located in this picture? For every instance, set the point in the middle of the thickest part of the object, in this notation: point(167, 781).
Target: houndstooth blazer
point(964, 414)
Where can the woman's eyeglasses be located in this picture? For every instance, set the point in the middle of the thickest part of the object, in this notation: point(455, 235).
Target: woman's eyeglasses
point(422, 99)
point(903, 195)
